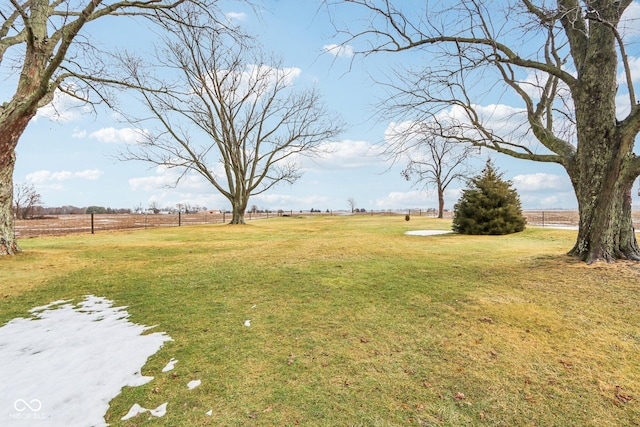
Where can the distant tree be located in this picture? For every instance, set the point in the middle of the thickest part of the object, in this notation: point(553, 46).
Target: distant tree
point(352, 204)
point(154, 207)
point(229, 114)
point(433, 161)
point(25, 199)
point(488, 206)
point(97, 210)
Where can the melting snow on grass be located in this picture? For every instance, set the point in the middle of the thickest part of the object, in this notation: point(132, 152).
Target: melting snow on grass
point(63, 366)
point(169, 366)
point(193, 384)
point(427, 232)
point(137, 409)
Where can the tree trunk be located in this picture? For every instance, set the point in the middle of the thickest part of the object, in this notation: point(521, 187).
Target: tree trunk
point(602, 175)
point(13, 122)
point(606, 229)
point(14, 118)
point(602, 169)
point(238, 208)
point(440, 201)
point(8, 244)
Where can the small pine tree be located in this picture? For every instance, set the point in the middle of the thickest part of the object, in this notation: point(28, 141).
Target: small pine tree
point(488, 206)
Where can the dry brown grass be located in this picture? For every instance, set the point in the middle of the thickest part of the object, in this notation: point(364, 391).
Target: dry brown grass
point(358, 324)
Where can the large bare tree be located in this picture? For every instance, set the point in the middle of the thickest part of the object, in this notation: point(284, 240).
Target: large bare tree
point(43, 52)
point(224, 110)
point(563, 62)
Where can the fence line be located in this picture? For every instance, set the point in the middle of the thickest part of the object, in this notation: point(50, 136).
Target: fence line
point(90, 223)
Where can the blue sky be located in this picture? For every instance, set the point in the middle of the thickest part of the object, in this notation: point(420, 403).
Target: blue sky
point(69, 156)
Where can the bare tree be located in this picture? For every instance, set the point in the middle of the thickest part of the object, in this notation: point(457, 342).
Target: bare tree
point(154, 207)
point(432, 161)
point(25, 198)
point(44, 52)
point(560, 60)
point(352, 204)
point(230, 114)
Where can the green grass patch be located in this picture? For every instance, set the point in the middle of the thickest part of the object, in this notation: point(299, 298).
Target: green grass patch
point(356, 323)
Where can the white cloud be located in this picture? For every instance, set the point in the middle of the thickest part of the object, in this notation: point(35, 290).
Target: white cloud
point(634, 65)
point(417, 199)
point(544, 191)
point(79, 133)
point(561, 200)
point(45, 176)
point(236, 16)
point(629, 25)
point(88, 174)
point(340, 51)
point(255, 80)
point(280, 201)
point(502, 119)
point(541, 182)
point(63, 109)
point(113, 135)
point(347, 154)
point(150, 183)
point(166, 177)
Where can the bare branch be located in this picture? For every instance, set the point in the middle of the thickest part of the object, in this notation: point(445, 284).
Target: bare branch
point(230, 115)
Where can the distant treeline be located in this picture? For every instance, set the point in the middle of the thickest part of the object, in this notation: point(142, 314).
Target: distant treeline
point(39, 211)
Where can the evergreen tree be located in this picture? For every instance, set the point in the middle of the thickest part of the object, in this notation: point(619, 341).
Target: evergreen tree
point(488, 206)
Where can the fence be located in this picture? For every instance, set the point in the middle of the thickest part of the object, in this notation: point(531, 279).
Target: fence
point(90, 223)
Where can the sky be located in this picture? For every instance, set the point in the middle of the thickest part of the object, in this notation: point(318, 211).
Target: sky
point(69, 154)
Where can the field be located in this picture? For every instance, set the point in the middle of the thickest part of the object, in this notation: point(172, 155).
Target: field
point(355, 323)
point(66, 224)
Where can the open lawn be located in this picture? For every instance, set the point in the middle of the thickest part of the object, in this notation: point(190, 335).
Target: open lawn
point(355, 323)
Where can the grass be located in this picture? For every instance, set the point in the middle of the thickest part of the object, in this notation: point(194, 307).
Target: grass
point(356, 323)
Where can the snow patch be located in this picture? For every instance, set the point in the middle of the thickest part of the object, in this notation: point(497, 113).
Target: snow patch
point(427, 232)
point(136, 410)
point(193, 384)
point(169, 366)
point(64, 365)
point(160, 411)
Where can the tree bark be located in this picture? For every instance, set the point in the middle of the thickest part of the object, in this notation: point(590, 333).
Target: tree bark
point(440, 201)
point(13, 121)
point(238, 208)
point(8, 244)
point(602, 171)
point(606, 230)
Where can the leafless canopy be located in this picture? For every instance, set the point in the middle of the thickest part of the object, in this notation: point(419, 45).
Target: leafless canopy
point(53, 34)
point(542, 80)
point(227, 111)
point(25, 199)
point(478, 48)
point(433, 162)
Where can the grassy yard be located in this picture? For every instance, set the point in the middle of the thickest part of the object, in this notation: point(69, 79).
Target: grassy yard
point(355, 323)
